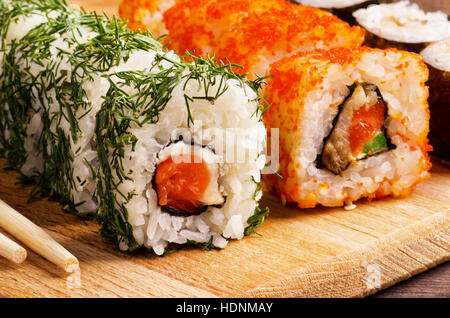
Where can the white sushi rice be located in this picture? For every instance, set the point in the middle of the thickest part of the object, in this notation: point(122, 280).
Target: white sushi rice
point(438, 55)
point(394, 170)
point(404, 22)
point(228, 126)
point(230, 114)
point(330, 4)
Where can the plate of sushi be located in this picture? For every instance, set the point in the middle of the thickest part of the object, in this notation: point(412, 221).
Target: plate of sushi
point(178, 126)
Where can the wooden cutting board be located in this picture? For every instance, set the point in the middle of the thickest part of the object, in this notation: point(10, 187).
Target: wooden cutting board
point(321, 252)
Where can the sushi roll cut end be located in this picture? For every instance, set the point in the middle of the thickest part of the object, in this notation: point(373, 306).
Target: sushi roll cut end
point(437, 57)
point(359, 131)
point(348, 127)
point(402, 25)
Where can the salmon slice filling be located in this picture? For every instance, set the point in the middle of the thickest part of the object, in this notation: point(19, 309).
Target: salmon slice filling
point(180, 185)
point(186, 182)
point(359, 130)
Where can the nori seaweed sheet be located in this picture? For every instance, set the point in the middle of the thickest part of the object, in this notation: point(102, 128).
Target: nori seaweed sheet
point(346, 14)
point(373, 40)
point(439, 101)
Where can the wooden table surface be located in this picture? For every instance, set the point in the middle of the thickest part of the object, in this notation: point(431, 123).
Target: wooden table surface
point(434, 283)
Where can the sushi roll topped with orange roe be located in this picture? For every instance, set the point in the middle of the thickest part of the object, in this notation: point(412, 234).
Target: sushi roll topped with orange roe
point(353, 124)
point(253, 34)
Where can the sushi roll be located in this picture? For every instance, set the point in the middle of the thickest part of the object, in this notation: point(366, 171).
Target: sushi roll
point(253, 34)
point(107, 121)
point(342, 9)
point(402, 25)
point(352, 124)
point(437, 57)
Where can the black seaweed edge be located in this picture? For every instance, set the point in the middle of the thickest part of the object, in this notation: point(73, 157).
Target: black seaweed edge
point(439, 84)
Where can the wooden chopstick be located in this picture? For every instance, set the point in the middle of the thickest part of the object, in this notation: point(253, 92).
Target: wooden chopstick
point(11, 250)
point(36, 238)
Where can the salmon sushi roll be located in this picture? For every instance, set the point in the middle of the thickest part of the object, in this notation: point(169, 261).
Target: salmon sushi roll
point(352, 124)
point(253, 34)
point(159, 150)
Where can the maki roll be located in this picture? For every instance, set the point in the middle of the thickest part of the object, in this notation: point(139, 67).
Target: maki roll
point(437, 57)
point(352, 124)
point(253, 34)
point(107, 121)
point(343, 9)
point(402, 25)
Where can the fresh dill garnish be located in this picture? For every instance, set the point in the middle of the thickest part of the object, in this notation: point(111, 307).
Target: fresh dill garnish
point(206, 246)
point(256, 220)
point(273, 171)
point(257, 85)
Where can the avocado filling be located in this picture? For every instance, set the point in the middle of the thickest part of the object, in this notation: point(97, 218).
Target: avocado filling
point(359, 130)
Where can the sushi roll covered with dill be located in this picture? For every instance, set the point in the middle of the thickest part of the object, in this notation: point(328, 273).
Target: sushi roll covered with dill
point(253, 33)
point(342, 8)
point(107, 121)
point(437, 57)
point(402, 25)
point(352, 124)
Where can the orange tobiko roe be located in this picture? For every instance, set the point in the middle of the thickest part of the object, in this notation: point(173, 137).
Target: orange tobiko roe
point(181, 182)
point(250, 33)
point(254, 33)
